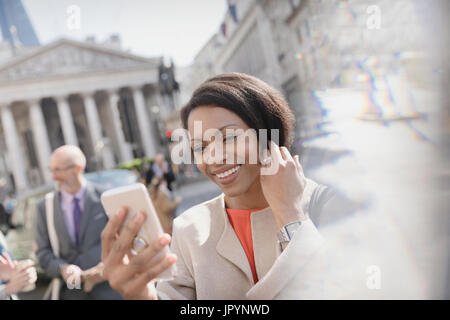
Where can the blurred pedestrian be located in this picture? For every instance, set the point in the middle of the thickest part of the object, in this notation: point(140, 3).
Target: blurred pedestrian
point(161, 167)
point(5, 217)
point(14, 277)
point(164, 201)
point(10, 203)
point(69, 247)
point(137, 174)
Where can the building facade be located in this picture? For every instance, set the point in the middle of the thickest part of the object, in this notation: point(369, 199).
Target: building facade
point(98, 97)
point(306, 47)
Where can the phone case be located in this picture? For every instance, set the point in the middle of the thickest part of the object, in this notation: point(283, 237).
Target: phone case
point(136, 198)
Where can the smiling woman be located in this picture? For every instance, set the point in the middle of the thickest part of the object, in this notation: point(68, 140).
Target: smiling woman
point(239, 102)
point(240, 234)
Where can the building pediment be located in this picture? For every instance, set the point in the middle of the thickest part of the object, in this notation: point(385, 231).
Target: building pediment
point(68, 57)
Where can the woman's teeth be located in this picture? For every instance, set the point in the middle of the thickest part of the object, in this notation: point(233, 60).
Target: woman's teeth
point(227, 173)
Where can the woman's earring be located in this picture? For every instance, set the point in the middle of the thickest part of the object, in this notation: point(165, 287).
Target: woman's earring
point(266, 162)
point(265, 157)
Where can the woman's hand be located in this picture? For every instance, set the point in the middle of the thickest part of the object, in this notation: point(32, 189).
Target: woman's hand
point(131, 275)
point(92, 277)
point(72, 275)
point(7, 266)
point(21, 277)
point(283, 183)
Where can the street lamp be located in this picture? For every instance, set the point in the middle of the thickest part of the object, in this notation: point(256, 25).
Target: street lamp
point(161, 129)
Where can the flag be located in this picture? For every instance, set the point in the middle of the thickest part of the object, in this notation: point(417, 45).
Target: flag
point(223, 27)
point(233, 11)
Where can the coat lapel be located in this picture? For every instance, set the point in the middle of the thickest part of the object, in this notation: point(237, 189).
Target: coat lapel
point(229, 245)
point(265, 242)
point(60, 223)
point(264, 233)
point(90, 200)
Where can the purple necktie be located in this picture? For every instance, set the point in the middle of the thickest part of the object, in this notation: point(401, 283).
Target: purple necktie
point(77, 219)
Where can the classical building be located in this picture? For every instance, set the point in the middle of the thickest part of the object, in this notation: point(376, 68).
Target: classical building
point(96, 96)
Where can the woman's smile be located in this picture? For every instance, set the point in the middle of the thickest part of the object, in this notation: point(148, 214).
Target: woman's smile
point(228, 176)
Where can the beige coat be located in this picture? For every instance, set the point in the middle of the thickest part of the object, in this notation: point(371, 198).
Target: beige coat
point(212, 263)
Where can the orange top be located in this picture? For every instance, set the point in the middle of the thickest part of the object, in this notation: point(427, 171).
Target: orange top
point(240, 220)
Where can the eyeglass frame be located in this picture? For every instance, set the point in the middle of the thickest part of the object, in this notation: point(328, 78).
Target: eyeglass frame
point(58, 170)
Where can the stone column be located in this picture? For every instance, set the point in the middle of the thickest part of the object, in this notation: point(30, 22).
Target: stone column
point(67, 124)
point(124, 148)
point(143, 123)
point(14, 150)
point(40, 136)
point(95, 131)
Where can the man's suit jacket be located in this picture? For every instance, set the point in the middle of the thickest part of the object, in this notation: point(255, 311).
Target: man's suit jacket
point(213, 265)
point(86, 255)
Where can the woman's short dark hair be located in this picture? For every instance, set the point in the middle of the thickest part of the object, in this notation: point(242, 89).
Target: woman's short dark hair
point(257, 103)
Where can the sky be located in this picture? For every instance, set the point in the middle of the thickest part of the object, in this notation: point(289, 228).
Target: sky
point(172, 28)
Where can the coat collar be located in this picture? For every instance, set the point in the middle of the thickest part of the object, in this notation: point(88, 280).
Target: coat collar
point(264, 235)
point(229, 245)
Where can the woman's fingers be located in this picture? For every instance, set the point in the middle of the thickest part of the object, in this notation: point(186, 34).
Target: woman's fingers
point(8, 260)
point(110, 231)
point(137, 264)
point(286, 154)
point(124, 279)
point(275, 153)
point(31, 275)
point(157, 269)
point(297, 162)
point(124, 243)
point(26, 275)
point(26, 264)
point(298, 165)
point(137, 283)
point(144, 259)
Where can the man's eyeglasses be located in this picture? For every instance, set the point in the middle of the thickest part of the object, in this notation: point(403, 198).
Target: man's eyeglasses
point(58, 170)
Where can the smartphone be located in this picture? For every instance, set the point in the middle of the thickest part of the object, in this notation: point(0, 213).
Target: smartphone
point(136, 198)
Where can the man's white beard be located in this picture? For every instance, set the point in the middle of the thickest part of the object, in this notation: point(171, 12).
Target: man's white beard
point(63, 187)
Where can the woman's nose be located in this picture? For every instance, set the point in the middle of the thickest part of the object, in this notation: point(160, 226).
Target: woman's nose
point(214, 154)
